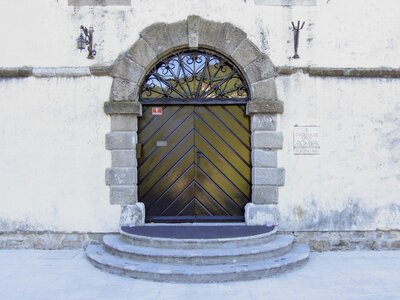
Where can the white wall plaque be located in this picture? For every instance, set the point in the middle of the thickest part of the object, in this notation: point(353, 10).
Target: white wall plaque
point(306, 140)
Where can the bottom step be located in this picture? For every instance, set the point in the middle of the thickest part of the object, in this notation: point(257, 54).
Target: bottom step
point(197, 274)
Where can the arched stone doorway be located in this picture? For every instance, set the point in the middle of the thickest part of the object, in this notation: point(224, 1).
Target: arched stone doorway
point(194, 162)
point(156, 42)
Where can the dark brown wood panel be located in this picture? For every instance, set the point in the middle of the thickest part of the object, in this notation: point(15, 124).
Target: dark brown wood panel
point(195, 163)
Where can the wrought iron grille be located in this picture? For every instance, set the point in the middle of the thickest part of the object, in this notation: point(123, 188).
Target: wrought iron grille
point(194, 76)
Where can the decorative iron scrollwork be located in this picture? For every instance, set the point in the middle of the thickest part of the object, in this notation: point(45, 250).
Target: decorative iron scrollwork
point(194, 75)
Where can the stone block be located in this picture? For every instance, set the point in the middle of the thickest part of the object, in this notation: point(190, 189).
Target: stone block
point(123, 107)
point(124, 122)
point(100, 70)
point(123, 90)
point(16, 72)
point(261, 68)
point(123, 158)
point(265, 89)
point(266, 139)
point(61, 72)
point(268, 176)
point(132, 215)
point(261, 214)
point(142, 53)
point(264, 158)
point(262, 106)
point(246, 53)
point(123, 194)
point(178, 32)
point(157, 36)
point(193, 31)
point(121, 176)
point(263, 122)
point(127, 69)
point(208, 33)
point(264, 194)
point(121, 140)
point(230, 38)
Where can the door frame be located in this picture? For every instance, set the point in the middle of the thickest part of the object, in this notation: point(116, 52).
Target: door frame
point(157, 41)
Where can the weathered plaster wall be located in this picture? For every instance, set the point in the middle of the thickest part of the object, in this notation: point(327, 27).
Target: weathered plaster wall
point(337, 32)
point(52, 155)
point(354, 184)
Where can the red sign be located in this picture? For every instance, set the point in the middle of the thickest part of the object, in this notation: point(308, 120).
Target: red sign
point(156, 111)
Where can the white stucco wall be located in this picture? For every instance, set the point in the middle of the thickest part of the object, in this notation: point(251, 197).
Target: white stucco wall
point(52, 155)
point(337, 32)
point(354, 184)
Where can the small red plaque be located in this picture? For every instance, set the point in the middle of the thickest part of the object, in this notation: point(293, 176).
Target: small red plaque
point(156, 111)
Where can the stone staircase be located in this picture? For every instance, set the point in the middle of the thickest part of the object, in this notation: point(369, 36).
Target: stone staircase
point(198, 260)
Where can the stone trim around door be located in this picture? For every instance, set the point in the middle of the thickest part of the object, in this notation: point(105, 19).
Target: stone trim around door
point(128, 71)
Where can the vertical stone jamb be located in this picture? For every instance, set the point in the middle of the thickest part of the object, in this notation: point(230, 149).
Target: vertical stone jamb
point(265, 141)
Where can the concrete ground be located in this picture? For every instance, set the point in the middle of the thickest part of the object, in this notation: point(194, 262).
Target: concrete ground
point(66, 274)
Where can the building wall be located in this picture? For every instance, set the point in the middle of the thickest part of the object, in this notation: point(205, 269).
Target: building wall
point(52, 130)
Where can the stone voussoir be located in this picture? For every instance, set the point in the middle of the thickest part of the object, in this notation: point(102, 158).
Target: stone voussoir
point(193, 31)
point(123, 90)
point(208, 33)
point(229, 38)
point(178, 32)
point(268, 176)
point(126, 68)
point(121, 176)
point(261, 68)
point(158, 38)
point(121, 140)
point(123, 195)
point(265, 89)
point(246, 53)
point(142, 53)
point(267, 139)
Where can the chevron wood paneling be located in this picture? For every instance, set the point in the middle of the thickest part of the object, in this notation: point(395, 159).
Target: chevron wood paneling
point(201, 170)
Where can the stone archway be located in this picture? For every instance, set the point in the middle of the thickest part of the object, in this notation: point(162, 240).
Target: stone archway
point(128, 71)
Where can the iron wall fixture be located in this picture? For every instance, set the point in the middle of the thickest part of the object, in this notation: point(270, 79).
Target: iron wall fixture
point(86, 39)
point(296, 34)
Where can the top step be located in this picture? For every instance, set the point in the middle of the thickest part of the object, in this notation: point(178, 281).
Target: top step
point(190, 236)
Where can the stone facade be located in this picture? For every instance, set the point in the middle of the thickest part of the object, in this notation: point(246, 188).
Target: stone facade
point(128, 71)
point(53, 160)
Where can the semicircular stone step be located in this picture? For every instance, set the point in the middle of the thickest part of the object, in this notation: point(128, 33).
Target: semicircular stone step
point(223, 254)
point(198, 243)
point(104, 260)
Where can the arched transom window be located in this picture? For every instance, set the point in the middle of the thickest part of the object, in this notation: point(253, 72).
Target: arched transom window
point(194, 76)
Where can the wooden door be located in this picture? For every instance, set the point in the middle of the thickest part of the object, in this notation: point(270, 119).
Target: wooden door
point(195, 163)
